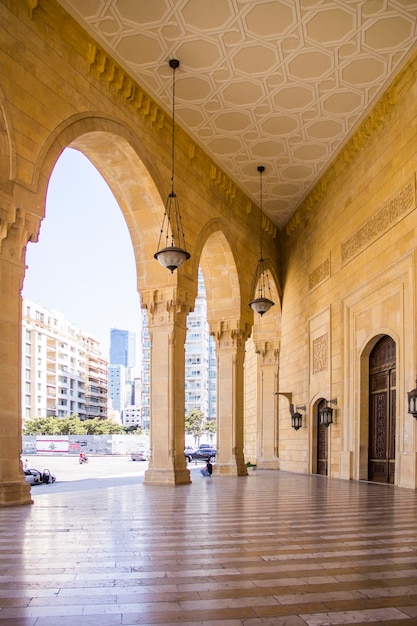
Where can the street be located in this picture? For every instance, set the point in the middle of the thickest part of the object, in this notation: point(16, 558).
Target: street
point(99, 472)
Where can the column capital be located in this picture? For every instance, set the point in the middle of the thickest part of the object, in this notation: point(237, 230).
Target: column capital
point(17, 227)
point(230, 333)
point(167, 306)
point(268, 351)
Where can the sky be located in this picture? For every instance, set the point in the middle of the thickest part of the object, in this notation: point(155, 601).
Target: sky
point(83, 263)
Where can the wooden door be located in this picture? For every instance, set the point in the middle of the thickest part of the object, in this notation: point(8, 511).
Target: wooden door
point(322, 443)
point(382, 410)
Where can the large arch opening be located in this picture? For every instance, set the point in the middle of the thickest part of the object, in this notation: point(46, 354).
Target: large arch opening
point(261, 384)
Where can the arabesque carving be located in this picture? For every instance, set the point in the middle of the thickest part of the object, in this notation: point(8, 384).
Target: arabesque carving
point(383, 220)
point(320, 274)
point(320, 354)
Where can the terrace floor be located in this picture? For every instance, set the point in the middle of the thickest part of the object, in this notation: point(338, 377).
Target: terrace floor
point(269, 549)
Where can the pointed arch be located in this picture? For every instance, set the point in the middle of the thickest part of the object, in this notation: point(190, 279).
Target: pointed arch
point(362, 438)
point(214, 253)
point(131, 174)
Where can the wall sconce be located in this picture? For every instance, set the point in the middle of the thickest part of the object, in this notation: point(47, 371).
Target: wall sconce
point(296, 420)
point(296, 417)
point(412, 401)
point(326, 413)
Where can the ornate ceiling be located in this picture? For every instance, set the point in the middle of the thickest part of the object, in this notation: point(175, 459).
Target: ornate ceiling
point(279, 83)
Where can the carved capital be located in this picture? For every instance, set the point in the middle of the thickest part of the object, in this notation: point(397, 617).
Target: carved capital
point(230, 333)
point(167, 306)
point(17, 227)
point(268, 351)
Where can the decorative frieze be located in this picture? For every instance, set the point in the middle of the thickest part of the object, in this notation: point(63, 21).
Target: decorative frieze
point(32, 5)
point(389, 215)
point(223, 182)
point(117, 80)
point(319, 275)
point(320, 354)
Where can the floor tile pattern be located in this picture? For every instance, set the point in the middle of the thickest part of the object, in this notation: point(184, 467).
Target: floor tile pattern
point(269, 549)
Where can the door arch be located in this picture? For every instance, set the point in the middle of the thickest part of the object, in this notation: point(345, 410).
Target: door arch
point(320, 442)
point(382, 411)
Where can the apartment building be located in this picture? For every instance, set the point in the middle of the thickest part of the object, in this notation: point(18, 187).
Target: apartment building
point(200, 361)
point(63, 370)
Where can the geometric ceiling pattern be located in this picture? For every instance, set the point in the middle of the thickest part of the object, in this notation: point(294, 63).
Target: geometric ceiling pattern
point(279, 83)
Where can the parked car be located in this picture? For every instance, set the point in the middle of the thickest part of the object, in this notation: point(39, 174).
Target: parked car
point(204, 453)
point(188, 450)
point(33, 476)
point(140, 455)
point(36, 477)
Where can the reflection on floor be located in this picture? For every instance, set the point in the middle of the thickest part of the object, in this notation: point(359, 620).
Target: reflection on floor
point(268, 549)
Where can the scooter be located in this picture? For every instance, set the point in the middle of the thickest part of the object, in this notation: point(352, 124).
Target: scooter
point(83, 459)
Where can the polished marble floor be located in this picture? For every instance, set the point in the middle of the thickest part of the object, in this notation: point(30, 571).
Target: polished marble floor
point(268, 549)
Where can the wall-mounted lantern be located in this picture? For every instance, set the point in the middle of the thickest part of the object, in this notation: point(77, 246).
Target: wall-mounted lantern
point(296, 417)
point(412, 401)
point(326, 413)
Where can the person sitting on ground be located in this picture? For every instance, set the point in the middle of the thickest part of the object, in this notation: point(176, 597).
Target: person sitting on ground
point(208, 470)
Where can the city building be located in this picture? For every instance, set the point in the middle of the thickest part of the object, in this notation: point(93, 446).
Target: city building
point(124, 385)
point(64, 372)
point(145, 393)
point(122, 348)
point(200, 358)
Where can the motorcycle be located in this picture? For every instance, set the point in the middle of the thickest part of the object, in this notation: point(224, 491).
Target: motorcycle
point(83, 459)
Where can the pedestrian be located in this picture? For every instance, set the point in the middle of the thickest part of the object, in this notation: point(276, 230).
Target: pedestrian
point(208, 470)
point(26, 464)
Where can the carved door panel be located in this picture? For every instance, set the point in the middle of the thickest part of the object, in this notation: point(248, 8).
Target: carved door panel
point(322, 444)
point(382, 410)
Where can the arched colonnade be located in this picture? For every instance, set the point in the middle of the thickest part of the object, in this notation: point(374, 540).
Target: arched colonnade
point(227, 256)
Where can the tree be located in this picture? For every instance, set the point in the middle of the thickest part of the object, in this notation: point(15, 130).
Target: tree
point(194, 424)
point(210, 428)
point(71, 425)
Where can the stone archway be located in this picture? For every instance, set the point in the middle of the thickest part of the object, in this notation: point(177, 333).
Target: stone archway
point(230, 329)
point(364, 447)
point(382, 411)
point(263, 371)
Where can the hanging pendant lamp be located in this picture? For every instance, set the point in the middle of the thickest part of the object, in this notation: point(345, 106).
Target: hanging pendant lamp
point(263, 302)
point(173, 253)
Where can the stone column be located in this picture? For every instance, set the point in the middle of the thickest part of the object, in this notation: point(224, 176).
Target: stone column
point(13, 238)
point(230, 339)
point(168, 312)
point(267, 405)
